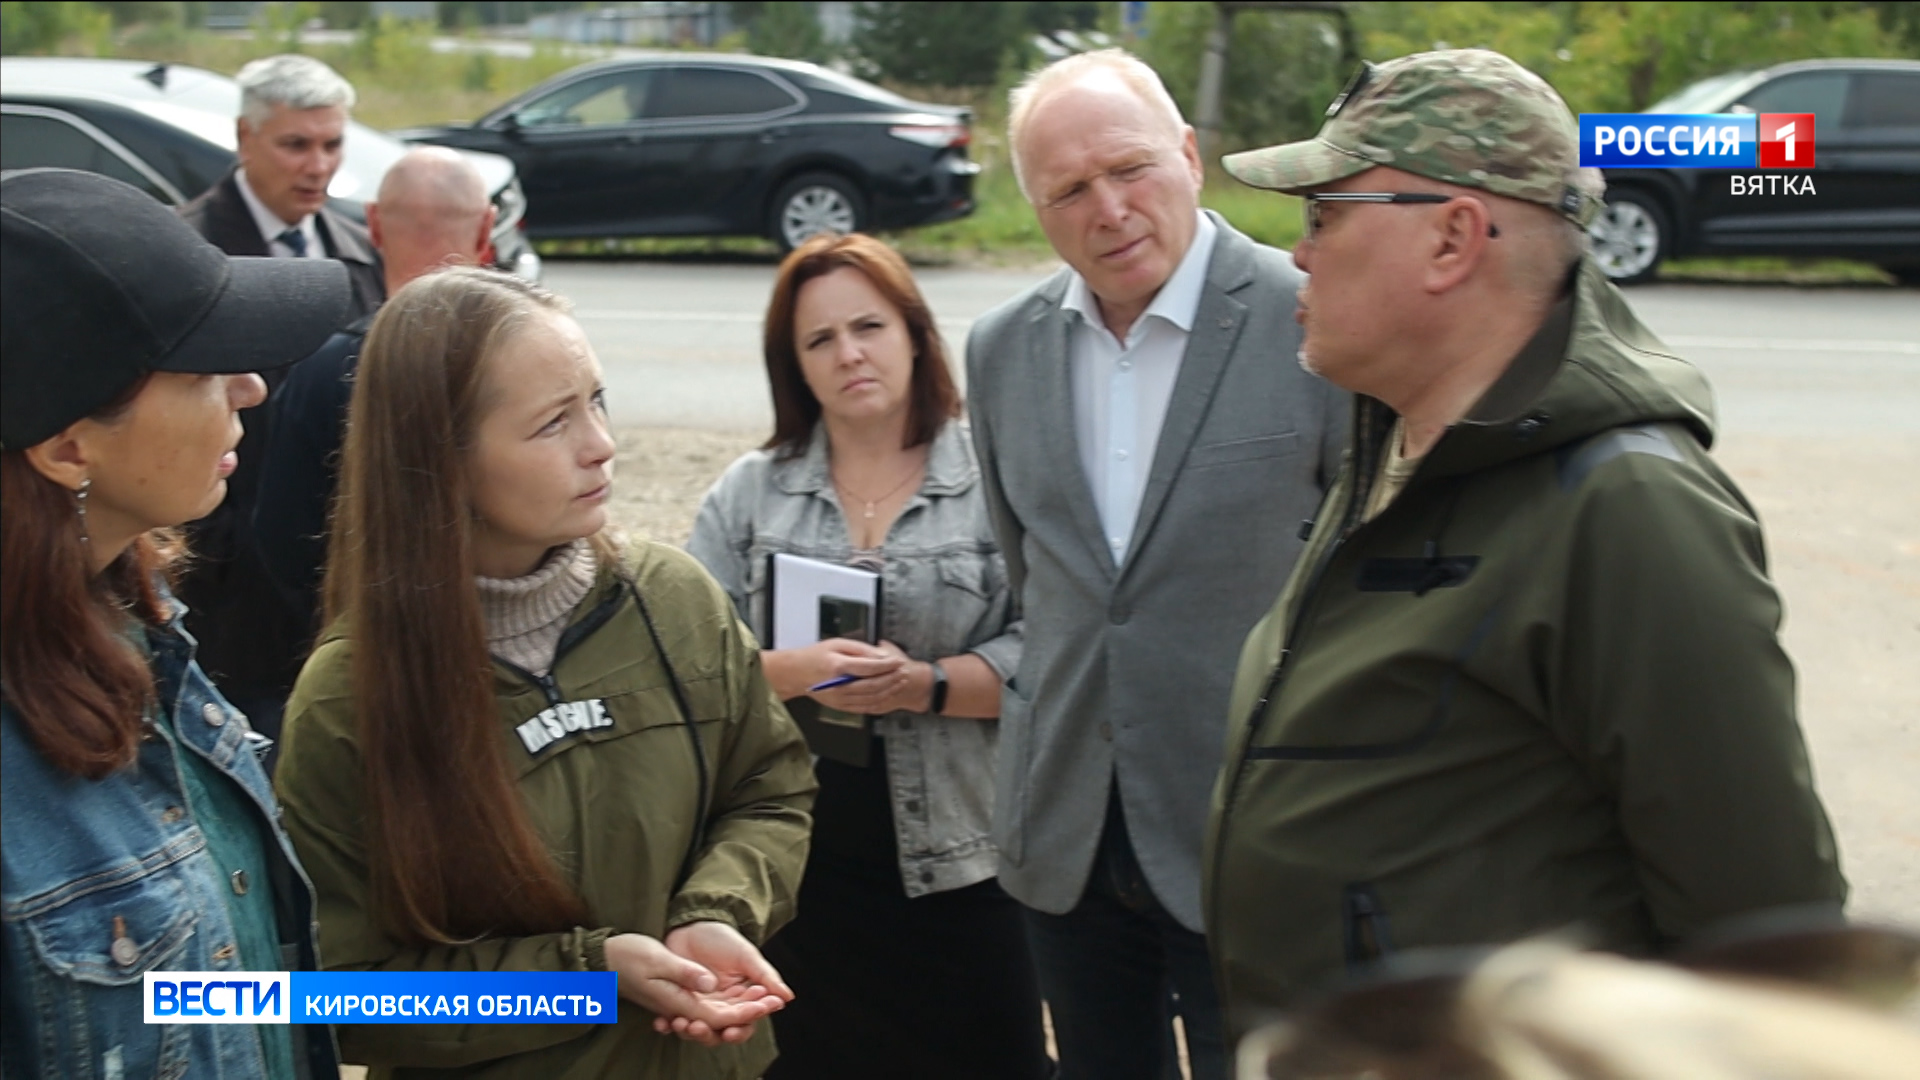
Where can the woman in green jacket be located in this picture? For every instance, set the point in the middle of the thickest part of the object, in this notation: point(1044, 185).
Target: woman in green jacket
point(516, 750)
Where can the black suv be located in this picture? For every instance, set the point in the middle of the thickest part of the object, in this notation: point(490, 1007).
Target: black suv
point(1866, 177)
point(696, 145)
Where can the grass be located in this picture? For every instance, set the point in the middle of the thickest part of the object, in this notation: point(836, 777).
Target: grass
point(1775, 271)
point(399, 79)
point(1002, 230)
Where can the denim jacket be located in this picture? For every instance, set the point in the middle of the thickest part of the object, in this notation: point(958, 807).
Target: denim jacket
point(946, 592)
point(106, 880)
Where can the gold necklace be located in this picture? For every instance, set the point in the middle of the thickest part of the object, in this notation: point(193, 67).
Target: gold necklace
point(870, 503)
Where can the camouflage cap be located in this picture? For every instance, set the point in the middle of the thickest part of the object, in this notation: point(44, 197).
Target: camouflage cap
point(1463, 116)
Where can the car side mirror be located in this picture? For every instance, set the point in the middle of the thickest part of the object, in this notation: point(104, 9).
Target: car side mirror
point(508, 124)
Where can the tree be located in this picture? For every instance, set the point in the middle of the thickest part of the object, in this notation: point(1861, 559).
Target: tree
point(29, 27)
point(1622, 57)
point(791, 30)
point(1282, 69)
point(936, 44)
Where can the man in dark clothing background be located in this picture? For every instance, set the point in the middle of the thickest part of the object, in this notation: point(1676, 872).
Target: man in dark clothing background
point(291, 132)
point(1527, 675)
point(432, 211)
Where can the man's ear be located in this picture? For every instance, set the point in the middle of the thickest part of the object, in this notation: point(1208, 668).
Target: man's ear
point(373, 226)
point(62, 459)
point(1190, 149)
point(1460, 245)
point(484, 255)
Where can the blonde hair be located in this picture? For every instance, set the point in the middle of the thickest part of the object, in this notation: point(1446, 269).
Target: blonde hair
point(1118, 63)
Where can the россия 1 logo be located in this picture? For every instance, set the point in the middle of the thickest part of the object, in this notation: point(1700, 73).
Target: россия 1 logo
point(1705, 141)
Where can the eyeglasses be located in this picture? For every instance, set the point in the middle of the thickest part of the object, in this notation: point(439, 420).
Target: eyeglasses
point(1402, 198)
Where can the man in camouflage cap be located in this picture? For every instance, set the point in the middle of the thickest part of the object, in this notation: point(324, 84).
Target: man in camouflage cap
point(1526, 675)
point(1468, 117)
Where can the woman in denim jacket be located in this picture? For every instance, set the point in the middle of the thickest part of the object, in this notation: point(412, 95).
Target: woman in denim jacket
point(906, 958)
point(139, 827)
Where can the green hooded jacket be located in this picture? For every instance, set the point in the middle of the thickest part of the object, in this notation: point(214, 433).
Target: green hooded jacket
point(614, 791)
point(1543, 689)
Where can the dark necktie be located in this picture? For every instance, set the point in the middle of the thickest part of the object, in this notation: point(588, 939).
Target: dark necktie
point(296, 240)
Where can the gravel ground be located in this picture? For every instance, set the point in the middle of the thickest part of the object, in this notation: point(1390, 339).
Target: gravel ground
point(661, 474)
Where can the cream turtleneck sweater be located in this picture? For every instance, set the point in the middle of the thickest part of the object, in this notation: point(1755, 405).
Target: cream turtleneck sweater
point(525, 615)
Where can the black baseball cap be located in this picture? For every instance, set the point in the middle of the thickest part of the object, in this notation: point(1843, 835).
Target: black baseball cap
point(100, 284)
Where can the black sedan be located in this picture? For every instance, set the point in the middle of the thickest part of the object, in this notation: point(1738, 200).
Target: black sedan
point(695, 145)
point(1861, 200)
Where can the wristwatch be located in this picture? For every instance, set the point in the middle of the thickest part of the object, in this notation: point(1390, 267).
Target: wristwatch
point(939, 703)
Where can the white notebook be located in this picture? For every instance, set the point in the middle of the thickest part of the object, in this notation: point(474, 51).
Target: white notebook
point(802, 598)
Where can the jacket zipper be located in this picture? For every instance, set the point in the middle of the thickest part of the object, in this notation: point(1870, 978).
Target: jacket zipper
point(570, 637)
point(1349, 516)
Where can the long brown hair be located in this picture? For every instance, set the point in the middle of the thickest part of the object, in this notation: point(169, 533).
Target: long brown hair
point(933, 399)
point(452, 851)
point(65, 664)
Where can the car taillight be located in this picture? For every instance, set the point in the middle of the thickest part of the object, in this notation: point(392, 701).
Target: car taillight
point(937, 136)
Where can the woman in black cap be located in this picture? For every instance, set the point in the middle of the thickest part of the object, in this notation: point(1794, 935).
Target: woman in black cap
point(139, 828)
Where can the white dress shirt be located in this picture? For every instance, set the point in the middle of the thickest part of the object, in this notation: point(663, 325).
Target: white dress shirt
point(1121, 389)
point(271, 226)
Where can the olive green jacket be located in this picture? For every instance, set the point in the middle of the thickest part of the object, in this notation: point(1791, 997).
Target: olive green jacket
point(614, 800)
point(1542, 689)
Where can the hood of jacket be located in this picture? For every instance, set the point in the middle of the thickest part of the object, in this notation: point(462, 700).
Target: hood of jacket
point(1593, 365)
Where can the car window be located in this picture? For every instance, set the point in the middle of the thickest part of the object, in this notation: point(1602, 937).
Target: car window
point(1884, 99)
point(617, 98)
point(31, 142)
point(694, 91)
point(1822, 93)
point(1707, 95)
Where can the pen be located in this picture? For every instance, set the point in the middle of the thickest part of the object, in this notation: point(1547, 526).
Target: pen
point(837, 680)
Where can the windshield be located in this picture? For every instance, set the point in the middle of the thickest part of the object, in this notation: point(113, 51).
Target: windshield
point(1706, 96)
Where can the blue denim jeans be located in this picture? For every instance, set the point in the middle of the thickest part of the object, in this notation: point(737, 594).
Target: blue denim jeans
point(1115, 971)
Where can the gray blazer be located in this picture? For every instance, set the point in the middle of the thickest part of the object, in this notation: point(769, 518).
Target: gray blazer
point(1126, 669)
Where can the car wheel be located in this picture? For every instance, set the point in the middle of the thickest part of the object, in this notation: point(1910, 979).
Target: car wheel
point(1630, 236)
point(814, 203)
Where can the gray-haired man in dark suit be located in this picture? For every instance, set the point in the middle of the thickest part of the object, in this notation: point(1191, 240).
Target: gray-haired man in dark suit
point(291, 134)
point(1150, 447)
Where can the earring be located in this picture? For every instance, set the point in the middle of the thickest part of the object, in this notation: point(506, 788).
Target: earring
point(80, 503)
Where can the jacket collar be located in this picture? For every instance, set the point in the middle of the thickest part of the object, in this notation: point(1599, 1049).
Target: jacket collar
point(1229, 268)
point(1177, 302)
point(950, 467)
point(231, 227)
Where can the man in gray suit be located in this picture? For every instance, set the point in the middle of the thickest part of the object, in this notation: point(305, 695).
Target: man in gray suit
point(1149, 447)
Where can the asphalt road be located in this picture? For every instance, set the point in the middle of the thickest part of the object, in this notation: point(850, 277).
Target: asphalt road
point(1819, 403)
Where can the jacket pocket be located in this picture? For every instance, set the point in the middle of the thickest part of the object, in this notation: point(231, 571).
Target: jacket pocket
point(1013, 775)
point(1364, 925)
point(113, 936)
point(90, 954)
point(1237, 450)
point(964, 600)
